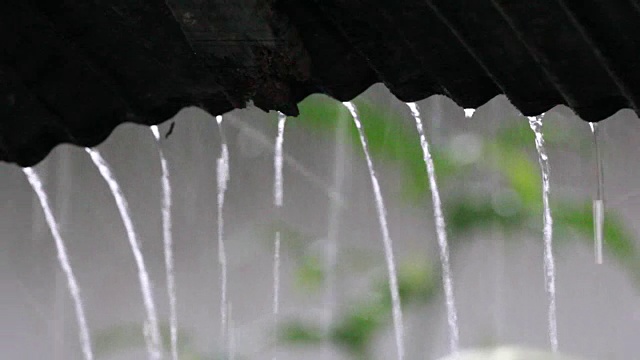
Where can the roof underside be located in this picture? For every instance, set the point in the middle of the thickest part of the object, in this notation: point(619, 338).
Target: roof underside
point(71, 71)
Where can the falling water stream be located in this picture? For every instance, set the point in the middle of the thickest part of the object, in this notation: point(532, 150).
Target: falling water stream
point(151, 327)
point(535, 122)
point(386, 238)
point(441, 232)
point(231, 333)
point(63, 258)
point(278, 190)
point(167, 237)
point(222, 176)
point(598, 201)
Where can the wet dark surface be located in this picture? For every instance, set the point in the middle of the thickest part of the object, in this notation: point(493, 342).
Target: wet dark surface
point(71, 71)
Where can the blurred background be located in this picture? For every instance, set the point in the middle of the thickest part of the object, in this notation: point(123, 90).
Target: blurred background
point(490, 186)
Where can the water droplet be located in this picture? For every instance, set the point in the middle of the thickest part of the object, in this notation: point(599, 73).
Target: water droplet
point(156, 132)
point(468, 113)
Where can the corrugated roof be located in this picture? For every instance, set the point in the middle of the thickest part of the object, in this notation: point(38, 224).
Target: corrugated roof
point(72, 71)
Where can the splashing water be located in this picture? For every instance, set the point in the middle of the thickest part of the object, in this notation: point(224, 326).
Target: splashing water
point(222, 172)
point(447, 279)
point(386, 238)
point(63, 259)
point(278, 190)
point(598, 201)
point(151, 328)
point(167, 237)
point(535, 122)
point(468, 113)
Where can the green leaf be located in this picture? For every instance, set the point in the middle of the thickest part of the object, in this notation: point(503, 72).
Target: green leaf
point(310, 274)
point(298, 333)
point(356, 330)
point(466, 215)
point(416, 283)
point(522, 174)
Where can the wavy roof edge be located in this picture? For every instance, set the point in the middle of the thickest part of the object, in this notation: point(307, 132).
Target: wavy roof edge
point(72, 72)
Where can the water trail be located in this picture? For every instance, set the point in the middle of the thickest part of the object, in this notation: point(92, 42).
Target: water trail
point(222, 172)
point(151, 327)
point(331, 251)
point(278, 190)
point(468, 113)
point(598, 201)
point(386, 238)
point(277, 161)
point(167, 237)
point(535, 122)
point(63, 259)
point(232, 336)
point(447, 279)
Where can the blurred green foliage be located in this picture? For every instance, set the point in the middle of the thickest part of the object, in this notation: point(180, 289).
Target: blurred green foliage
point(388, 139)
point(509, 155)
